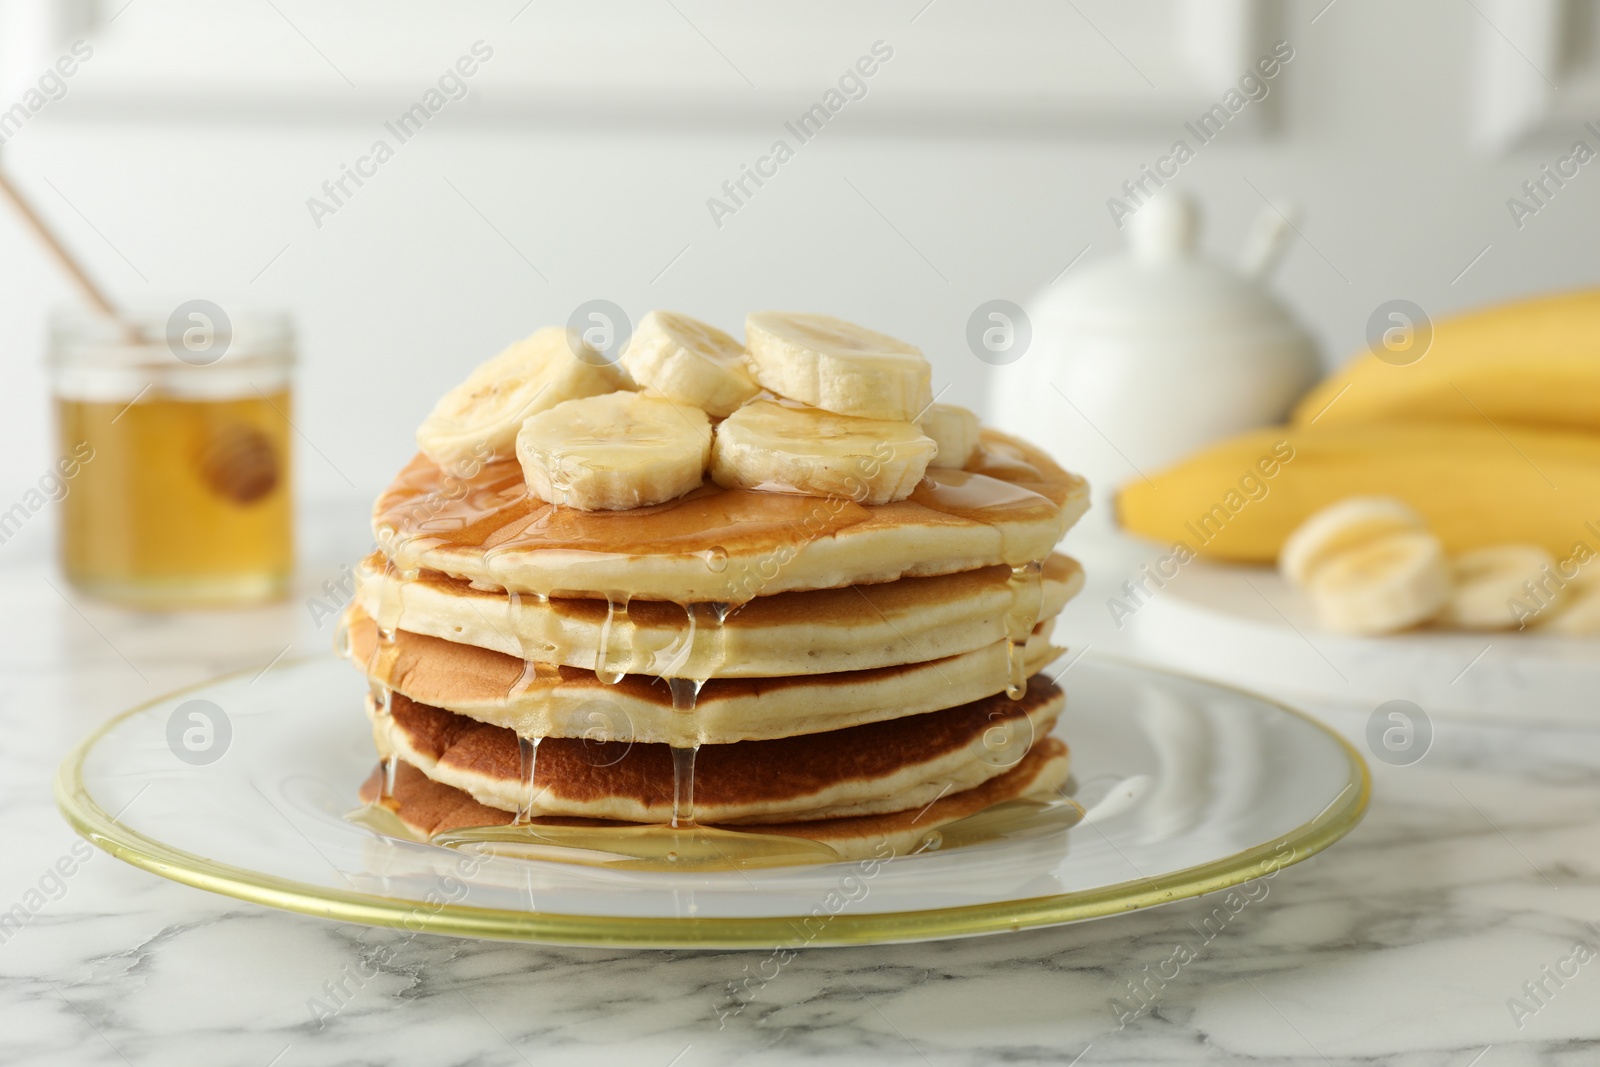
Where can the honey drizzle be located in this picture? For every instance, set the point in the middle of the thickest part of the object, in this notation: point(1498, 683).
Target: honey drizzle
point(380, 666)
point(535, 672)
point(391, 765)
point(528, 750)
point(1026, 586)
point(676, 660)
point(388, 762)
point(685, 743)
point(690, 670)
point(683, 784)
point(608, 672)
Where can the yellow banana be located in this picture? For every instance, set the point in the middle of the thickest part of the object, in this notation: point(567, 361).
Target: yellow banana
point(1531, 363)
point(1474, 485)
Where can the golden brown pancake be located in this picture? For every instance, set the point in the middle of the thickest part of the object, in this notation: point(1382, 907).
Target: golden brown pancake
point(911, 620)
point(855, 655)
point(548, 701)
point(427, 807)
point(1010, 506)
point(861, 770)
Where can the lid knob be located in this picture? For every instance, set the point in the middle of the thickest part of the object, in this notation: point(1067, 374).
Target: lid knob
point(1165, 228)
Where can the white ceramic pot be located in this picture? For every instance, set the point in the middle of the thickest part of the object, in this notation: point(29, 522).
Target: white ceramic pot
point(1141, 359)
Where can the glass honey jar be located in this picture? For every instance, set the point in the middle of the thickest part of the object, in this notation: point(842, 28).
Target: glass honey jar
point(177, 435)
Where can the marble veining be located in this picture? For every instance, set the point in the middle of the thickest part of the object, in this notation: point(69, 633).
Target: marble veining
point(1471, 882)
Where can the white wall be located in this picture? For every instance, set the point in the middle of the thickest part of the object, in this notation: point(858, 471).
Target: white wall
point(407, 286)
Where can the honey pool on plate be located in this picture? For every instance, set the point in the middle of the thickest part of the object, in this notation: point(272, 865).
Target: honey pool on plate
point(692, 847)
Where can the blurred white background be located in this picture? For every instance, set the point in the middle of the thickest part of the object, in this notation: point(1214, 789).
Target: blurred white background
point(180, 159)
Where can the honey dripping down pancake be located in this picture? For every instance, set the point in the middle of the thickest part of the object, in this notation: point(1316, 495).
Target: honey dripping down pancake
point(427, 810)
point(870, 769)
point(819, 631)
point(558, 536)
point(500, 689)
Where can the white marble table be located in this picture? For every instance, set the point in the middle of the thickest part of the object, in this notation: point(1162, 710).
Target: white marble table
point(1477, 868)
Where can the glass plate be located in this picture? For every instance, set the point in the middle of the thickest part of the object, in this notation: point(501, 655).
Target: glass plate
point(241, 786)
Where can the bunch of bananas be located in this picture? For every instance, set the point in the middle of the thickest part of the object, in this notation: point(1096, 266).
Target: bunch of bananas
point(1491, 439)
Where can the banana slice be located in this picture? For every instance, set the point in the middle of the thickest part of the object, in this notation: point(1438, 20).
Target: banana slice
point(838, 366)
point(1577, 612)
point(614, 452)
point(479, 418)
point(1380, 586)
point(1487, 583)
point(787, 448)
point(1347, 524)
point(686, 360)
point(955, 430)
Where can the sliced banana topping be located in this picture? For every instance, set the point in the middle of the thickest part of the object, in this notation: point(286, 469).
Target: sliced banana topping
point(838, 366)
point(616, 451)
point(1383, 585)
point(1345, 525)
point(1489, 583)
point(479, 419)
point(788, 448)
point(689, 361)
point(955, 430)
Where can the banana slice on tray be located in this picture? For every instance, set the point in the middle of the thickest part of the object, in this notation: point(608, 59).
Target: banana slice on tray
point(689, 361)
point(1489, 583)
point(838, 366)
point(785, 447)
point(1382, 586)
point(955, 430)
point(479, 419)
point(1339, 527)
point(613, 452)
point(1576, 612)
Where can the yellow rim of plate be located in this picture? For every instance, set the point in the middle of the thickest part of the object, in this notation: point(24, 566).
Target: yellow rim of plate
point(90, 820)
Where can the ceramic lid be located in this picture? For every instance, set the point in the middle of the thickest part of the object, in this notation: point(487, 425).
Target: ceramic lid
point(1161, 285)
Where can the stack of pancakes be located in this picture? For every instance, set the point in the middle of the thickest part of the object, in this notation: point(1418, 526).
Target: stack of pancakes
point(752, 660)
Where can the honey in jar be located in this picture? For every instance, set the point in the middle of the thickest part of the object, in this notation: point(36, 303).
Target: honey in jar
point(180, 432)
